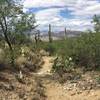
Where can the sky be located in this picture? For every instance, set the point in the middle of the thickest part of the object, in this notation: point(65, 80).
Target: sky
point(72, 14)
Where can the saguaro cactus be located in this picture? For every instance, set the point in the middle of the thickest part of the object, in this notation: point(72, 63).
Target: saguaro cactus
point(37, 37)
point(49, 33)
point(65, 33)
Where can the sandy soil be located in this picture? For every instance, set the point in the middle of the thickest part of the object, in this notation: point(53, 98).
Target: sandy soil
point(46, 67)
point(42, 85)
point(56, 91)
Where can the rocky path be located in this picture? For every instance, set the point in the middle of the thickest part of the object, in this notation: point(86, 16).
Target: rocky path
point(56, 91)
point(46, 67)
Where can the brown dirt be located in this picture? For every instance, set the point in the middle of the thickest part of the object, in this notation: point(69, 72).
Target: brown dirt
point(43, 85)
point(46, 67)
point(56, 91)
point(29, 88)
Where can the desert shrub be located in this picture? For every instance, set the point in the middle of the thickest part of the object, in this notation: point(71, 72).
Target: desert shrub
point(62, 64)
point(2, 56)
point(86, 50)
point(28, 60)
point(19, 39)
point(50, 48)
point(98, 79)
point(16, 53)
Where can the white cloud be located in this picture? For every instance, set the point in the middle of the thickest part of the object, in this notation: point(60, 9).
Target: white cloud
point(52, 17)
point(25, 10)
point(81, 11)
point(49, 15)
point(43, 3)
point(85, 8)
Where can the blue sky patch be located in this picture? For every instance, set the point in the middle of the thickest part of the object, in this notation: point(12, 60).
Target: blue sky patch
point(66, 14)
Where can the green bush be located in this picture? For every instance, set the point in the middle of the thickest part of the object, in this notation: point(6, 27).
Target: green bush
point(86, 50)
point(2, 56)
point(50, 48)
point(98, 79)
point(62, 65)
point(19, 39)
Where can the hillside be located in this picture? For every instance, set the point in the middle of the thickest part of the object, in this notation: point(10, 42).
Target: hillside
point(60, 35)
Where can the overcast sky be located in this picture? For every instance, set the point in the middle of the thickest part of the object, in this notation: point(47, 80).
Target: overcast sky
point(72, 14)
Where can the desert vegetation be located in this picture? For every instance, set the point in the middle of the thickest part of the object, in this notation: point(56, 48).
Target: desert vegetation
point(31, 68)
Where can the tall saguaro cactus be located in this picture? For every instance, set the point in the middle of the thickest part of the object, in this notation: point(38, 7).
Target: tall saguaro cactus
point(37, 37)
point(65, 32)
point(49, 33)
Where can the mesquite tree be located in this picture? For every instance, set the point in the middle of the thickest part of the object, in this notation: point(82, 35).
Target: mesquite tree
point(14, 21)
point(8, 10)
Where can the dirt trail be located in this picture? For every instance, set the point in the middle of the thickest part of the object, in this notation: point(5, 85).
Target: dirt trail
point(46, 68)
point(56, 91)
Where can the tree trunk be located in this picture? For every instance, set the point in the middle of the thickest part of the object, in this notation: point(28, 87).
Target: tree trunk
point(5, 31)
